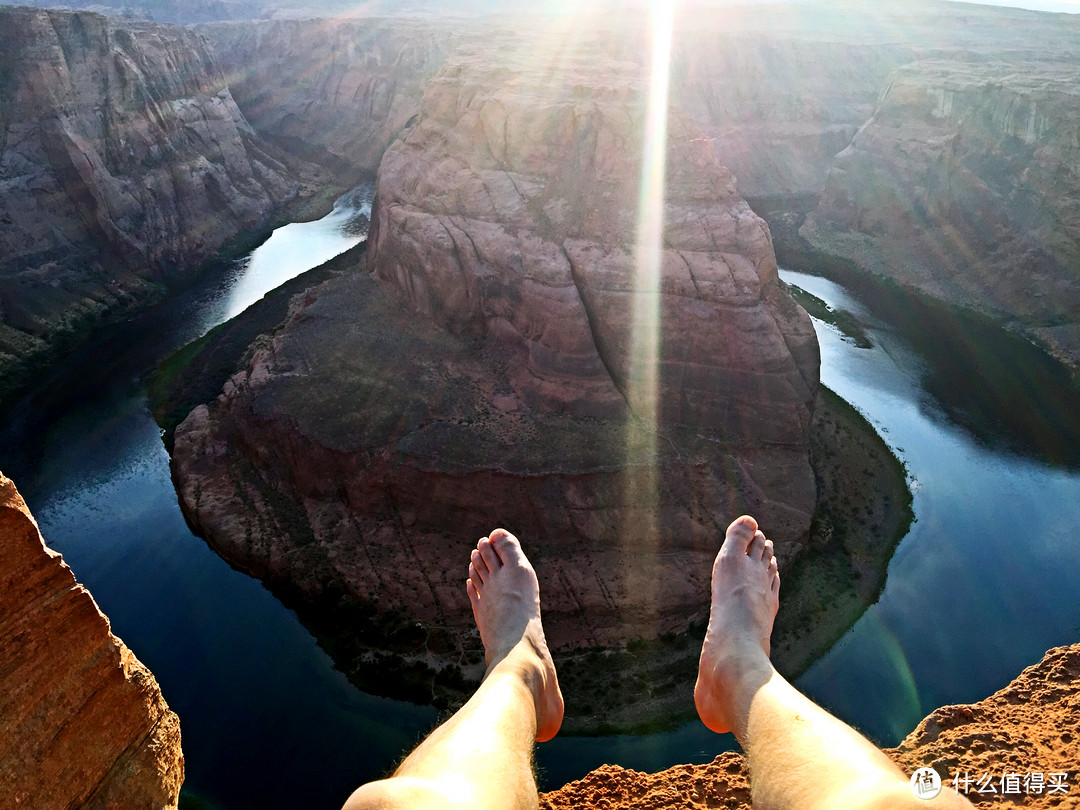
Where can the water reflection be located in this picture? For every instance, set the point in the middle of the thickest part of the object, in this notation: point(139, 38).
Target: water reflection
point(989, 576)
point(1002, 390)
point(299, 244)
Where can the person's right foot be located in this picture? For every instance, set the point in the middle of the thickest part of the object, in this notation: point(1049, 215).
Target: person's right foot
point(745, 598)
point(505, 598)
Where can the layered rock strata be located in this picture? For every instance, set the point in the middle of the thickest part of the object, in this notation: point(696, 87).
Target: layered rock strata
point(774, 110)
point(1030, 730)
point(336, 90)
point(83, 721)
point(123, 162)
point(963, 185)
point(483, 376)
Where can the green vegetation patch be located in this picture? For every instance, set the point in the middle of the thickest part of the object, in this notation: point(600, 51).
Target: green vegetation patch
point(843, 320)
point(196, 373)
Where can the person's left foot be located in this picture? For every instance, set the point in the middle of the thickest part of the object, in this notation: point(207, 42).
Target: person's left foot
point(505, 598)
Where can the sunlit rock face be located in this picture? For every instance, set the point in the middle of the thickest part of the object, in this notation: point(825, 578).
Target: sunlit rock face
point(83, 721)
point(123, 159)
point(964, 185)
point(777, 107)
point(482, 376)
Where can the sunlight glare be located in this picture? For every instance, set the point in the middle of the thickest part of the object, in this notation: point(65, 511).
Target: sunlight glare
point(643, 380)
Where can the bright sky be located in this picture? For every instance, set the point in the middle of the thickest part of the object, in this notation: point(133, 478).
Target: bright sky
point(1070, 6)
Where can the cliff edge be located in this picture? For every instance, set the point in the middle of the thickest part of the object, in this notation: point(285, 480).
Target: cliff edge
point(963, 185)
point(83, 722)
point(1020, 746)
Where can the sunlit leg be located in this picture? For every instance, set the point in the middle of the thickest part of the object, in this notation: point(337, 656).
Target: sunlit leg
point(800, 755)
point(482, 756)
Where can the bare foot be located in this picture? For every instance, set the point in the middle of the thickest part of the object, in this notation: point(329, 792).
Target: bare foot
point(505, 599)
point(745, 598)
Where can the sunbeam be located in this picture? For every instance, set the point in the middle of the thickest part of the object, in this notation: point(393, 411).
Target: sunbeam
point(643, 379)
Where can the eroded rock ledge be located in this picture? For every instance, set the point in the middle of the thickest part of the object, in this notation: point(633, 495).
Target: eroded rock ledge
point(83, 721)
point(1032, 725)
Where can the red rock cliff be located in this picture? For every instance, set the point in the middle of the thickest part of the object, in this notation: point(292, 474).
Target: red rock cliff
point(83, 722)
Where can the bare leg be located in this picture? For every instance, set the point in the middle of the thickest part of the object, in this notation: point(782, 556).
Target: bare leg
point(482, 756)
point(800, 755)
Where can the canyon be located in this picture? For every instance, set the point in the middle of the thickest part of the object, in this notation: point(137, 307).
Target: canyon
point(503, 292)
point(782, 92)
point(124, 164)
point(474, 364)
point(963, 184)
point(503, 220)
point(83, 721)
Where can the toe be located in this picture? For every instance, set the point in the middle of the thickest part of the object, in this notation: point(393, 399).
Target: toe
point(475, 575)
point(478, 569)
point(739, 534)
point(768, 552)
point(506, 546)
point(470, 587)
point(756, 550)
point(487, 553)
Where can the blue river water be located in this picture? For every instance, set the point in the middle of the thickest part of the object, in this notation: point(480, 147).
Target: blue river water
point(987, 579)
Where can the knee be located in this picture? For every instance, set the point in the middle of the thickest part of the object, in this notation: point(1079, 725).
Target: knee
point(401, 792)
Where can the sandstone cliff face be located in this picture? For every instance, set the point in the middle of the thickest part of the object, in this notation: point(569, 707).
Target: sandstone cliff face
point(476, 231)
point(482, 377)
point(83, 722)
point(963, 184)
point(338, 91)
point(773, 108)
point(778, 106)
point(1030, 726)
point(123, 160)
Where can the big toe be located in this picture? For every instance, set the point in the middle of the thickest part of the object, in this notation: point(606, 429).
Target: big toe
point(739, 534)
point(506, 546)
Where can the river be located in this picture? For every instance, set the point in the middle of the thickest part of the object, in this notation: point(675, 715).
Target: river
point(987, 579)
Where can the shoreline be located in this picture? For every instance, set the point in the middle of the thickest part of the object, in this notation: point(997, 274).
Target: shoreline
point(26, 381)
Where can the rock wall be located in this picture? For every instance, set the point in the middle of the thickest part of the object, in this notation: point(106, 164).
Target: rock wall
point(963, 184)
point(774, 111)
point(335, 90)
point(123, 161)
point(1032, 726)
point(508, 210)
point(777, 107)
point(83, 721)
